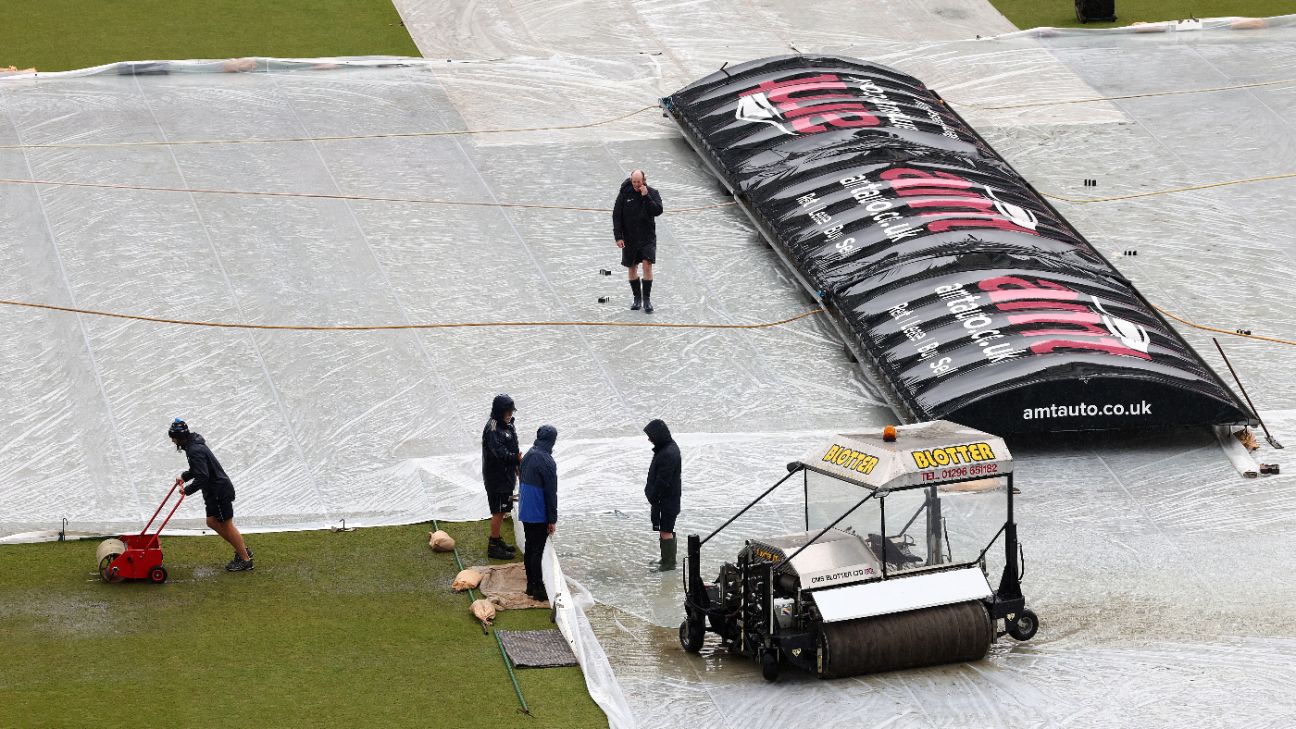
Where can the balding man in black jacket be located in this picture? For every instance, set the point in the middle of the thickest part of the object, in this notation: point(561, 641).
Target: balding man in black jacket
point(634, 225)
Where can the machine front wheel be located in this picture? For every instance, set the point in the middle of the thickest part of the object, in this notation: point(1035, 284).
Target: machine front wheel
point(690, 635)
point(770, 665)
point(158, 575)
point(1023, 625)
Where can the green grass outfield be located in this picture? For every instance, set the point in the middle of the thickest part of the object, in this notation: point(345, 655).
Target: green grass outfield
point(1061, 13)
point(57, 35)
point(356, 629)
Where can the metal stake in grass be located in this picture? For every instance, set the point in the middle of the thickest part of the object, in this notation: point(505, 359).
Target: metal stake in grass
point(472, 596)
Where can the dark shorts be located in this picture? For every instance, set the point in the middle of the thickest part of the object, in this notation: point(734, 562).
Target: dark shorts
point(500, 501)
point(663, 521)
point(635, 253)
point(222, 509)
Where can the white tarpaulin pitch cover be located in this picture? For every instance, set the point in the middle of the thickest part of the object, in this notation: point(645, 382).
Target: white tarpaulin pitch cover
point(345, 193)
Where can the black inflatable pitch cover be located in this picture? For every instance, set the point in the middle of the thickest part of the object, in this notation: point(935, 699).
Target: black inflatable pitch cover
point(970, 296)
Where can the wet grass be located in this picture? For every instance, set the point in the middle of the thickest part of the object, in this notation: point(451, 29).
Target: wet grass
point(1061, 13)
point(57, 35)
point(330, 630)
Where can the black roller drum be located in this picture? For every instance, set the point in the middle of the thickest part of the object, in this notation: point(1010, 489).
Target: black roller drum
point(932, 636)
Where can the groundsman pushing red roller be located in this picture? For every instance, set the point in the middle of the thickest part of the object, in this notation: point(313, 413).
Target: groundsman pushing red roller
point(207, 476)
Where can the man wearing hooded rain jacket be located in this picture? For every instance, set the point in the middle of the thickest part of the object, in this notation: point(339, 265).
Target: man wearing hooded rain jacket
point(500, 459)
point(205, 474)
point(538, 506)
point(663, 490)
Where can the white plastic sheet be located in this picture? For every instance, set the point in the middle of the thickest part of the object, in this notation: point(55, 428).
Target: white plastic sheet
point(569, 600)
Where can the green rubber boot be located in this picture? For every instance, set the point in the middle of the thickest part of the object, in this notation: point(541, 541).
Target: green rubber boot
point(667, 554)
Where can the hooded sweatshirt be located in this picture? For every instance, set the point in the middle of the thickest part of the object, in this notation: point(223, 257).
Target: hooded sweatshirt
point(664, 483)
point(538, 500)
point(205, 472)
point(500, 449)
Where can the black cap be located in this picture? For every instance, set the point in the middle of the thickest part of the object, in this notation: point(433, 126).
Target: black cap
point(502, 404)
point(178, 429)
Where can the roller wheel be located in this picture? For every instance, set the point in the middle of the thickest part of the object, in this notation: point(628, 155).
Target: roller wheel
point(1023, 625)
point(770, 665)
point(158, 575)
point(690, 635)
point(106, 571)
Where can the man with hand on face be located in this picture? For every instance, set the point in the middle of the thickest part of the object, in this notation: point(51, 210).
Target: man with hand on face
point(634, 225)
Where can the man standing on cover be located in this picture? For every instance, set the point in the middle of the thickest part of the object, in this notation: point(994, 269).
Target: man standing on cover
point(663, 490)
point(500, 459)
point(634, 225)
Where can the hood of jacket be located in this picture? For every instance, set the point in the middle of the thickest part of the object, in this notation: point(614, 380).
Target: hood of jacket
point(500, 405)
point(545, 438)
point(658, 433)
point(194, 439)
point(627, 187)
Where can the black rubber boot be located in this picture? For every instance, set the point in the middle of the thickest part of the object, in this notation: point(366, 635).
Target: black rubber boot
point(647, 291)
point(638, 295)
point(667, 555)
point(497, 549)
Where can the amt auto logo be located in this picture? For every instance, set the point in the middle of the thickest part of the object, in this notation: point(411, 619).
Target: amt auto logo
point(806, 105)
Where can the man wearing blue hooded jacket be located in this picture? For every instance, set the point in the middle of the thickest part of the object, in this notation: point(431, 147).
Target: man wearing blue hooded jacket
point(538, 506)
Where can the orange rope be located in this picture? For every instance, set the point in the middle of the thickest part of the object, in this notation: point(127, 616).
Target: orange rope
point(397, 327)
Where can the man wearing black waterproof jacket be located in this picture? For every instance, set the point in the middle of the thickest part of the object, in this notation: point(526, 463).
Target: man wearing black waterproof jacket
point(500, 459)
point(634, 225)
point(663, 490)
point(217, 489)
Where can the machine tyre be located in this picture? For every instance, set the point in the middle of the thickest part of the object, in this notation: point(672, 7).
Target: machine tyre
point(158, 575)
point(691, 635)
point(1023, 626)
point(770, 665)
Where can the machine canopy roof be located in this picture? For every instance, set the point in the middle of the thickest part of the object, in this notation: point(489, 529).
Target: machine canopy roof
point(922, 454)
